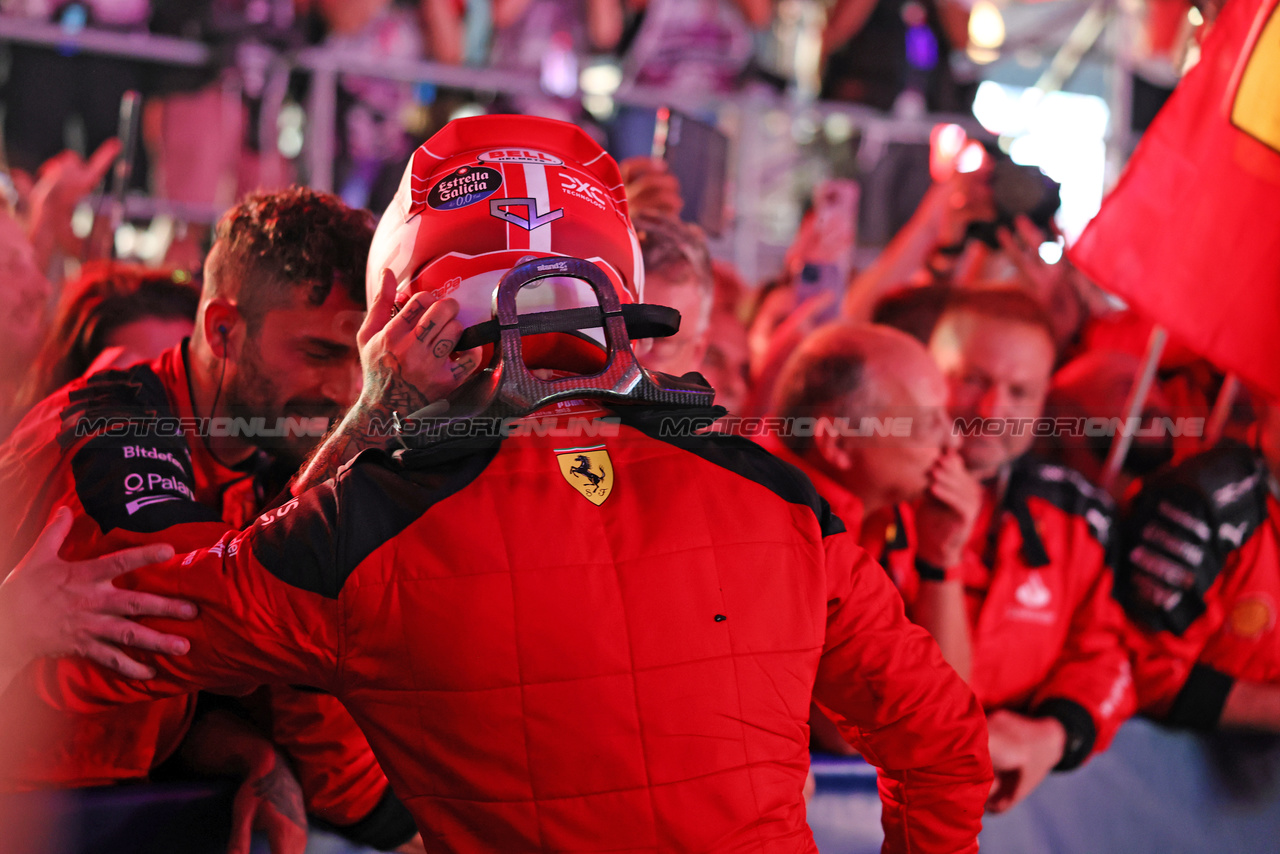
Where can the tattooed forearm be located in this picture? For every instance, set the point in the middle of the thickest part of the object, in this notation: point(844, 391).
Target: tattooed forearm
point(280, 788)
point(390, 394)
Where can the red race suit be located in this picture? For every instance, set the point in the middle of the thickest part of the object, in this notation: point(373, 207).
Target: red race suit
point(122, 450)
point(592, 639)
point(1200, 577)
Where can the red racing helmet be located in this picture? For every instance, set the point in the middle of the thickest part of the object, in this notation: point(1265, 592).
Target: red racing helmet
point(487, 193)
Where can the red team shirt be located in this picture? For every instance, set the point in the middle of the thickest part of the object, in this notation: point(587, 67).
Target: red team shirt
point(121, 450)
point(1047, 636)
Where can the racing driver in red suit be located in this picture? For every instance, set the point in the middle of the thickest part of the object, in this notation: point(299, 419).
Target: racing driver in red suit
point(566, 638)
point(275, 344)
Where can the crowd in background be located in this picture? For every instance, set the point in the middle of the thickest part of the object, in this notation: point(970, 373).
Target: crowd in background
point(1137, 590)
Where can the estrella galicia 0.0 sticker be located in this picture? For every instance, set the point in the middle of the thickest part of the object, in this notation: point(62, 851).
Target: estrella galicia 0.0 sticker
point(464, 186)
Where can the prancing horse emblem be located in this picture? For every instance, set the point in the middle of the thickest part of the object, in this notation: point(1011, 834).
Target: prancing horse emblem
point(588, 470)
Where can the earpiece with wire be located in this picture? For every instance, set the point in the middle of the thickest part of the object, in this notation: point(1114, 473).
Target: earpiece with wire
point(222, 375)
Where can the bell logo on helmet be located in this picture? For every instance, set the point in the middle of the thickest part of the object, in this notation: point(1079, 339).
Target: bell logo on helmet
point(519, 155)
point(464, 186)
point(535, 219)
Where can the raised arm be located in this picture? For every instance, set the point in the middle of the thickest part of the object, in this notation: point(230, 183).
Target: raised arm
point(407, 365)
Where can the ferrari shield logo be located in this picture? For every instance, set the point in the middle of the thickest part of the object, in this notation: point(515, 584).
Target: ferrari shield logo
point(588, 470)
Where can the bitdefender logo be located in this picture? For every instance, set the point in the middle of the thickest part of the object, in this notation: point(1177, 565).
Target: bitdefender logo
point(132, 452)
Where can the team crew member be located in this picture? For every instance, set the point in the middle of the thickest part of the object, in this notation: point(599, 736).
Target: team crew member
point(1048, 661)
point(869, 421)
point(127, 451)
point(1200, 577)
point(867, 412)
point(557, 643)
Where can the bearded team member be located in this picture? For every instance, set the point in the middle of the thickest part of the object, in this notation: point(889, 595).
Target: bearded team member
point(565, 640)
point(1044, 635)
point(1200, 578)
point(182, 449)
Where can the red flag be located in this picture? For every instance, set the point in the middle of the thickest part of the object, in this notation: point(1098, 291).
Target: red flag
point(1190, 236)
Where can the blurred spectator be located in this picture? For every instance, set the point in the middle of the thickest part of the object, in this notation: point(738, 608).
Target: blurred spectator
point(526, 30)
point(725, 365)
point(772, 302)
point(134, 312)
point(928, 248)
point(650, 187)
point(59, 186)
point(1044, 634)
point(49, 91)
point(877, 51)
point(1096, 385)
point(373, 140)
point(913, 310)
point(24, 302)
point(691, 46)
point(817, 266)
point(1188, 382)
point(1059, 287)
point(730, 290)
point(677, 273)
point(211, 132)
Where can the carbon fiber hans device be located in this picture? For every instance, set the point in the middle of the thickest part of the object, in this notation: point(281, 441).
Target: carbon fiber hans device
point(508, 389)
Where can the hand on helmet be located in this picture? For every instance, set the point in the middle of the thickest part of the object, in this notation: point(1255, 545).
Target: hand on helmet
point(408, 358)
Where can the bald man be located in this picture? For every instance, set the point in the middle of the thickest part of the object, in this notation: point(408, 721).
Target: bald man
point(869, 426)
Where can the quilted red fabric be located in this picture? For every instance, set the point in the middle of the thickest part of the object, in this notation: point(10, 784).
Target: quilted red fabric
point(540, 667)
